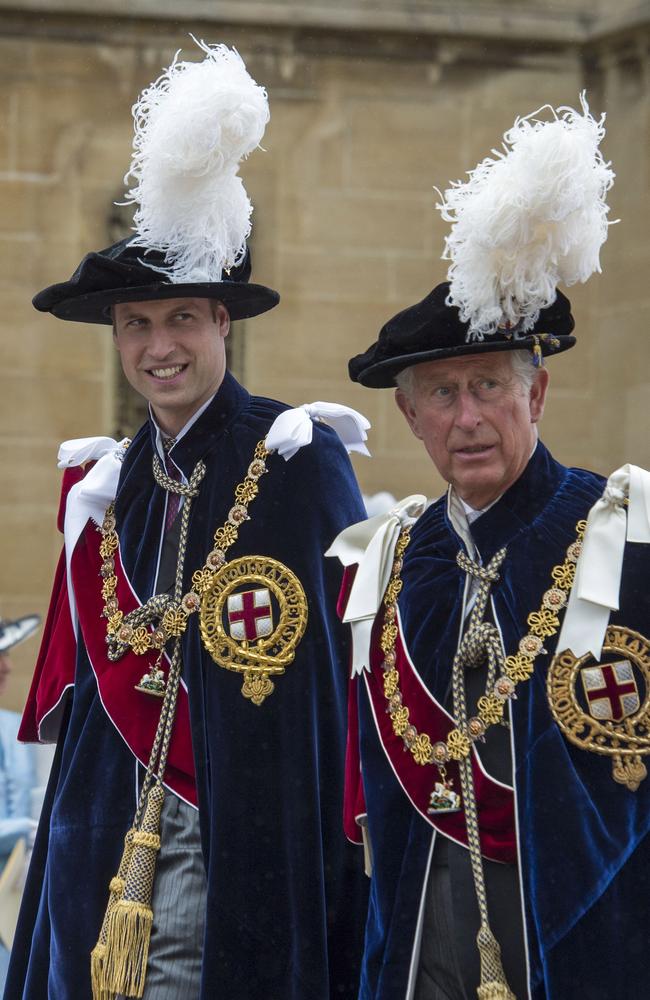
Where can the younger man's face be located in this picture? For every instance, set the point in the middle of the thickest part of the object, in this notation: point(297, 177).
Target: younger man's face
point(173, 353)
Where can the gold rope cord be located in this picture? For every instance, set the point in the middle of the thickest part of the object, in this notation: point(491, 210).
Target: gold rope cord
point(516, 668)
point(480, 641)
point(472, 649)
point(119, 960)
point(169, 614)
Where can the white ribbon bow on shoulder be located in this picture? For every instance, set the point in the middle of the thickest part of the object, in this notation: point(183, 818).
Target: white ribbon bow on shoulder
point(595, 592)
point(371, 545)
point(90, 497)
point(293, 429)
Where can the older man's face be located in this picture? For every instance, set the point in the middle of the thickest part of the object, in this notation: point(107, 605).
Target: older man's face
point(477, 421)
point(173, 353)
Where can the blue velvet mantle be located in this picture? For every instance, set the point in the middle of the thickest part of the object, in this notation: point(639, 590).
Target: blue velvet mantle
point(583, 839)
point(286, 892)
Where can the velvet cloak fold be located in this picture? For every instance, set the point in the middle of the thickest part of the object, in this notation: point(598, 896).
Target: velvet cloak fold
point(583, 838)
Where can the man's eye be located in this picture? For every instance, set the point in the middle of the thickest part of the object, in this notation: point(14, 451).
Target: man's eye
point(488, 383)
point(184, 316)
point(441, 391)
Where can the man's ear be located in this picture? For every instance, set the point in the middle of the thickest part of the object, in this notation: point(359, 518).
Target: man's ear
point(221, 318)
point(538, 395)
point(405, 403)
point(114, 328)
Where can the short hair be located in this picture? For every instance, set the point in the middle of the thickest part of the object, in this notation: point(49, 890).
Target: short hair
point(522, 367)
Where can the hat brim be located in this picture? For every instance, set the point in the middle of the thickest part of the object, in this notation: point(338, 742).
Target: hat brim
point(242, 299)
point(11, 633)
point(381, 375)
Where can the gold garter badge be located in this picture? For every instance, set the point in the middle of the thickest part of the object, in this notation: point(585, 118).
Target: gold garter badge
point(253, 615)
point(601, 707)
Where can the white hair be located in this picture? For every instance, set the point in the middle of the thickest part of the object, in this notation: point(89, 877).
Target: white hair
point(522, 367)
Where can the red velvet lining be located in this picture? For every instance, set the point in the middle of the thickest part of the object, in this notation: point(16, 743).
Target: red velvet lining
point(495, 802)
point(134, 713)
point(57, 656)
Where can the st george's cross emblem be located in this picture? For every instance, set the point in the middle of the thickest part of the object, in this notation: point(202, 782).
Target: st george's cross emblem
point(610, 690)
point(250, 615)
point(607, 710)
point(254, 631)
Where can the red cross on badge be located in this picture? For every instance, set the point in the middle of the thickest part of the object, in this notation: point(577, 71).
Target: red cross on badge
point(250, 615)
point(610, 690)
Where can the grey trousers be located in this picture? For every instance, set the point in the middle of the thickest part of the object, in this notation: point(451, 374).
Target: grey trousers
point(176, 948)
point(439, 976)
point(449, 958)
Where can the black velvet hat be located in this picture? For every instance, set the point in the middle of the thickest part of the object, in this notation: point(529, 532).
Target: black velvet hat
point(125, 273)
point(430, 330)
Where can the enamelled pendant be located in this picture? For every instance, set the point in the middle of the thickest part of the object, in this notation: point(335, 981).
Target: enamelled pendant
point(443, 798)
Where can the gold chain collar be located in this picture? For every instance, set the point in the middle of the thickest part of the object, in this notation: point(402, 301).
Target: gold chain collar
point(517, 668)
point(124, 631)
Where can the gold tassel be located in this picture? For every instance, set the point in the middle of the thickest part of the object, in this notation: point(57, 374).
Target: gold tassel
point(129, 922)
point(129, 936)
point(494, 991)
point(98, 954)
point(494, 985)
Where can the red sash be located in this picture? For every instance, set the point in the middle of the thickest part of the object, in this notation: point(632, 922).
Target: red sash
point(495, 801)
point(57, 656)
point(134, 713)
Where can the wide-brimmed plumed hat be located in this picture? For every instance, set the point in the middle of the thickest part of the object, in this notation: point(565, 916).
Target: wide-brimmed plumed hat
point(527, 219)
point(13, 632)
point(432, 330)
point(125, 273)
point(192, 128)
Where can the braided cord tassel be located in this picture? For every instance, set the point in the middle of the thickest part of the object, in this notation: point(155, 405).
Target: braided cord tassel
point(494, 984)
point(119, 959)
point(475, 645)
point(98, 955)
point(130, 919)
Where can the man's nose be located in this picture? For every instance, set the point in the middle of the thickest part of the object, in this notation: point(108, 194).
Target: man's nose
point(161, 342)
point(468, 411)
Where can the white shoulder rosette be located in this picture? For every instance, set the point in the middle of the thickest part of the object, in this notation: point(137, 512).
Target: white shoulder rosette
point(595, 591)
point(371, 545)
point(293, 429)
point(90, 497)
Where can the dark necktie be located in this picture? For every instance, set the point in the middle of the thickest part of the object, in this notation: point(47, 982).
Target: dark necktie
point(173, 499)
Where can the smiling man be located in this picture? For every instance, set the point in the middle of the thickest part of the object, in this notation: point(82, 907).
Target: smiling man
point(193, 667)
point(498, 732)
point(173, 353)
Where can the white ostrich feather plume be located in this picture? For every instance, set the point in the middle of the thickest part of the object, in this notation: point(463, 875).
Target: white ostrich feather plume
point(193, 126)
point(528, 218)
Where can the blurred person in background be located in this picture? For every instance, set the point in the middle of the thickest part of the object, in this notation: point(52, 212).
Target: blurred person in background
point(18, 779)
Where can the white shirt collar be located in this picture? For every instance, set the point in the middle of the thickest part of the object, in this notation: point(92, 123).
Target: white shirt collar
point(473, 513)
point(183, 431)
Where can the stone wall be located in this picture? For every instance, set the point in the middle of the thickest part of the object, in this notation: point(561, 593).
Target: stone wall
point(369, 112)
